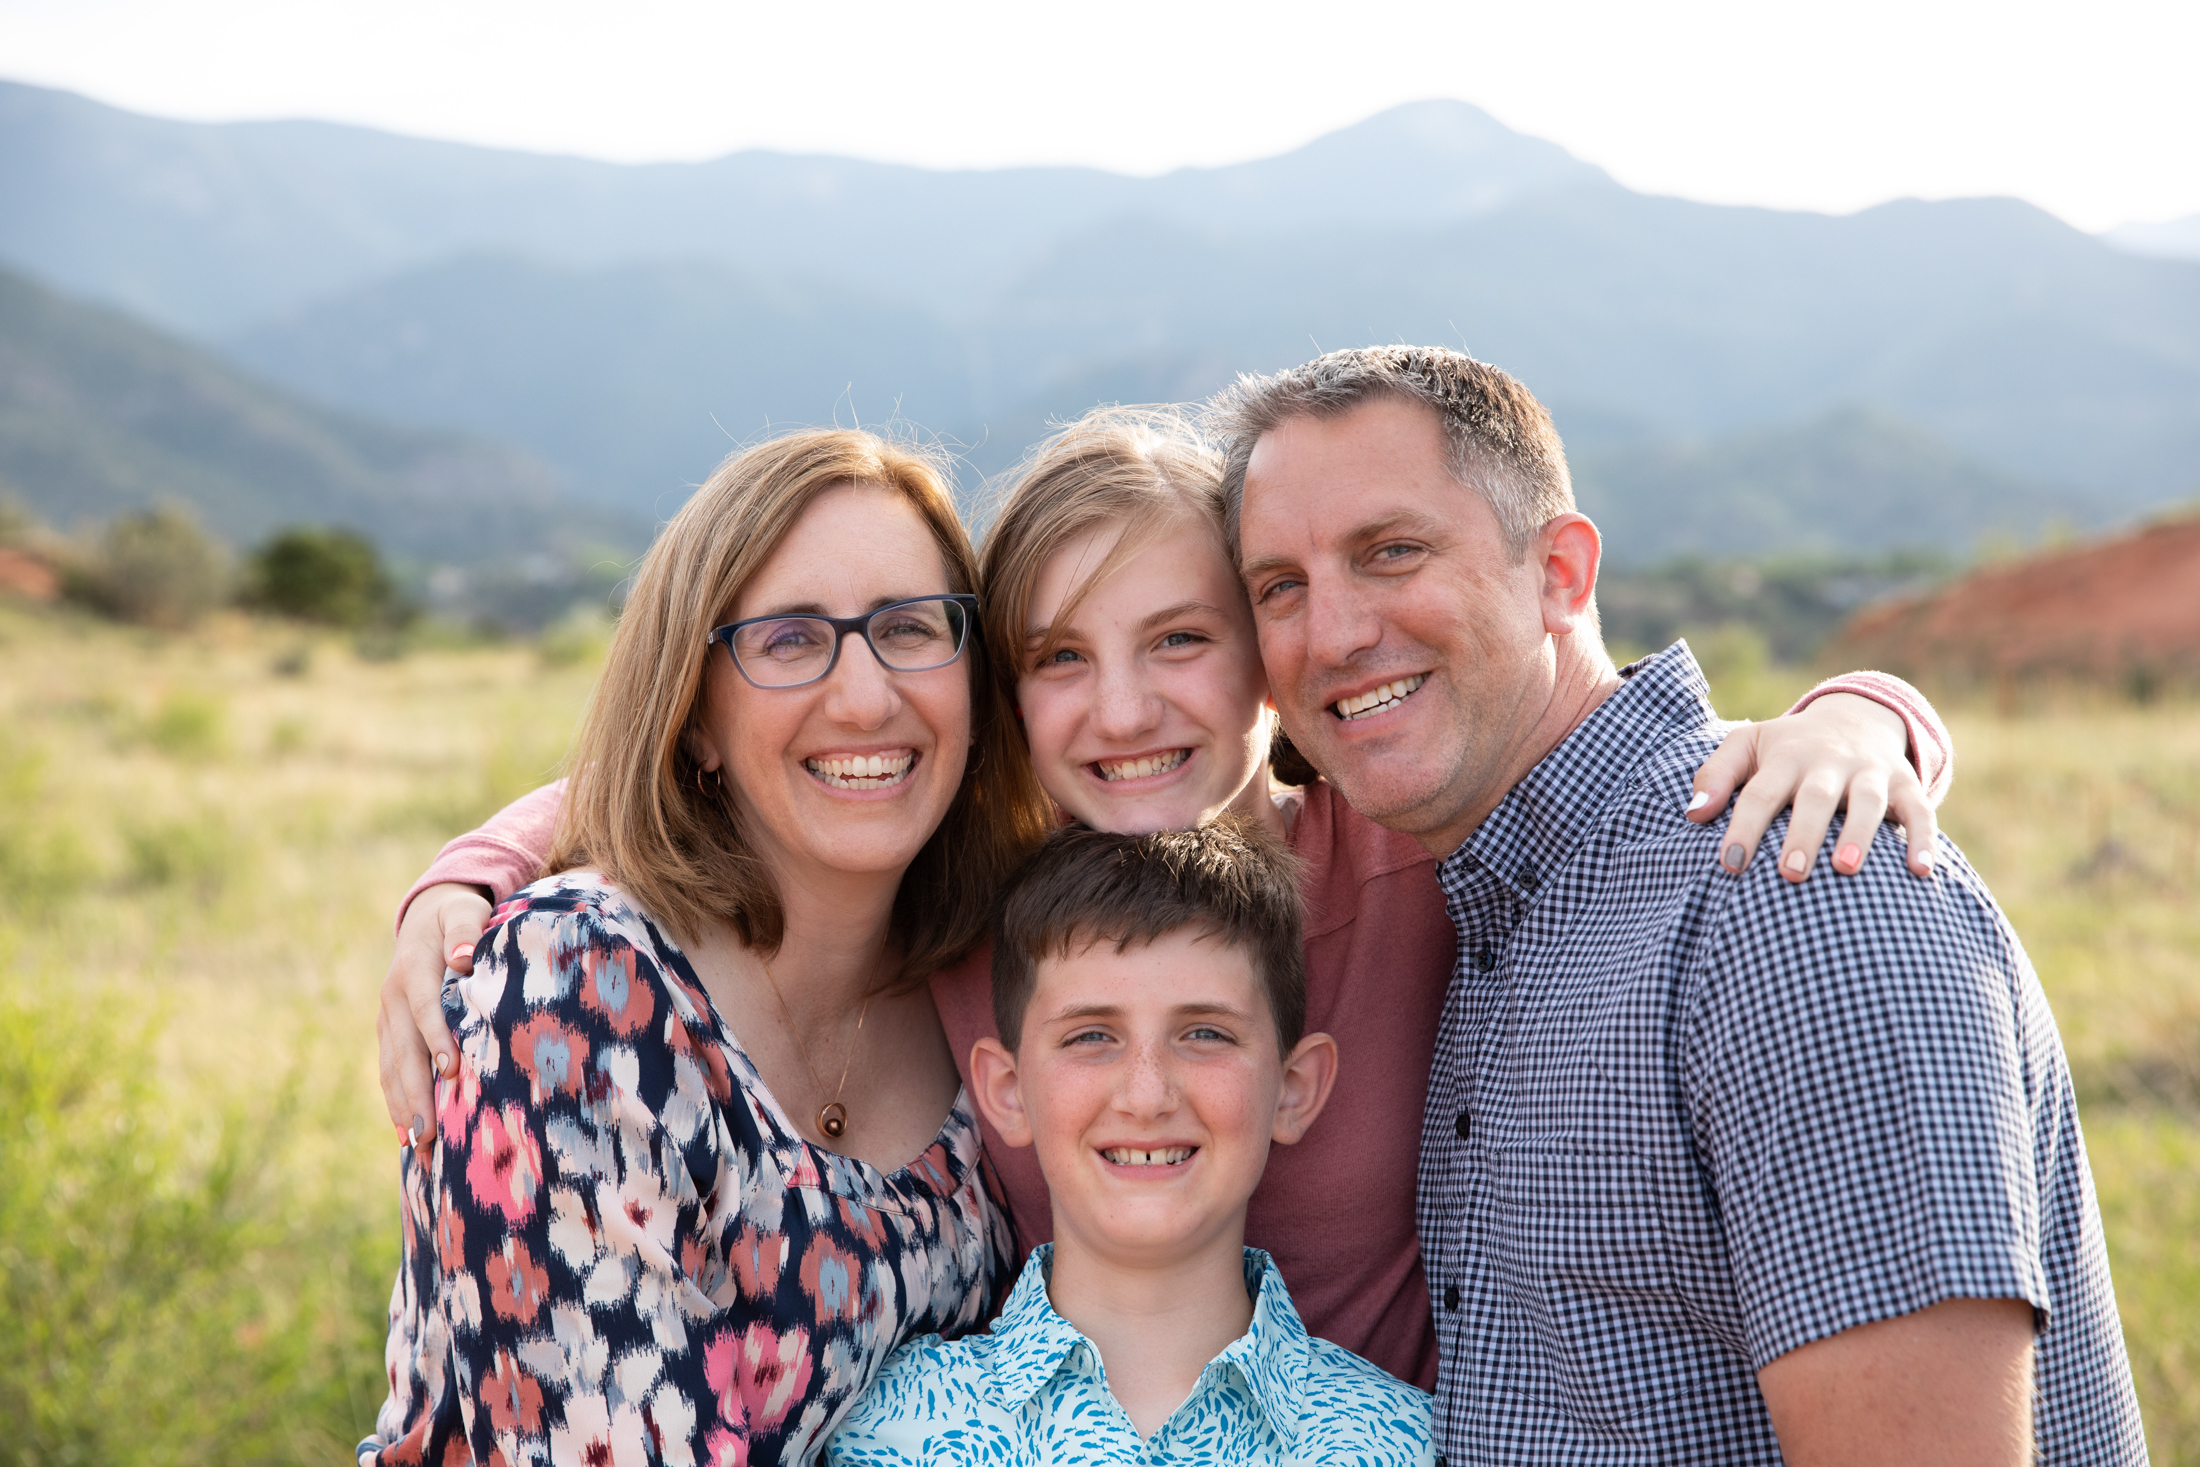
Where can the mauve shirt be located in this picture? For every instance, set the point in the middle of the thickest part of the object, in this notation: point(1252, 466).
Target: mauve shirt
point(1336, 1210)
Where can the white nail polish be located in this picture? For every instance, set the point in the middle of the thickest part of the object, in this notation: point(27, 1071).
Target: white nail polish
point(1697, 801)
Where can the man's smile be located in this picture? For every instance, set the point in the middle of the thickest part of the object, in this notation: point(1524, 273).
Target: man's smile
point(1377, 700)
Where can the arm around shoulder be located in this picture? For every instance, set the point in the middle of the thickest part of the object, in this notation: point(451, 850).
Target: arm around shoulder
point(500, 856)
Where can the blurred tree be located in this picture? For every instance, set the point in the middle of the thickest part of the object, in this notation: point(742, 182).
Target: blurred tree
point(321, 574)
point(156, 567)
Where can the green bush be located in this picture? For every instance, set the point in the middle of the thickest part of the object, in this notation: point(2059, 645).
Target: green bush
point(188, 725)
point(157, 568)
point(331, 576)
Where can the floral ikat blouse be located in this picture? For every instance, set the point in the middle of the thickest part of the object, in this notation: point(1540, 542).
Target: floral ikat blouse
point(620, 1251)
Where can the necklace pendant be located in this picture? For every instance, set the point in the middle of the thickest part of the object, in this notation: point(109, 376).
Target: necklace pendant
point(833, 1120)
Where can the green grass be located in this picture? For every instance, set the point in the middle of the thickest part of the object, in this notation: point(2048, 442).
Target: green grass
point(202, 838)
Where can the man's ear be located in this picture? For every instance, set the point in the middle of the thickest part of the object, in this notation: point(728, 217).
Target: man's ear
point(1309, 1071)
point(993, 1079)
point(1571, 552)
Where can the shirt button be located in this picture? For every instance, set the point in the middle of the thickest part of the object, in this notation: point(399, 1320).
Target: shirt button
point(1527, 877)
point(1462, 1125)
point(1451, 1296)
point(1486, 959)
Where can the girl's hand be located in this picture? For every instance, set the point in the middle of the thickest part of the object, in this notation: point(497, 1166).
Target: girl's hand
point(1843, 751)
point(439, 931)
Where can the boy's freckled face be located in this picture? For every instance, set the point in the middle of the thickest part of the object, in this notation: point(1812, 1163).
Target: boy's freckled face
point(1151, 1080)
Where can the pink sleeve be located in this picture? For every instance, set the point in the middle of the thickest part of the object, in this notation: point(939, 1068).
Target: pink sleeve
point(1932, 748)
point(504, 854)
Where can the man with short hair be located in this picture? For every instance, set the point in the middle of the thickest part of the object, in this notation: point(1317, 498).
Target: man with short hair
point(1715, 1166)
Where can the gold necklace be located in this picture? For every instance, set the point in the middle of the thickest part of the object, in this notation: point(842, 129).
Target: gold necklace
point(832, 1117)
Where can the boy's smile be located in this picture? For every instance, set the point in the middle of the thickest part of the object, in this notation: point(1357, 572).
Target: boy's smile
point(1152, 1083)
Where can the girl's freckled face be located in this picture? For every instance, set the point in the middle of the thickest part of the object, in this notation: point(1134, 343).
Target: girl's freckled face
point(1148, 713)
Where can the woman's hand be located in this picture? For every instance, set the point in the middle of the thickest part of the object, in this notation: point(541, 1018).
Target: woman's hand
point(1841, 751)
point(439, 931)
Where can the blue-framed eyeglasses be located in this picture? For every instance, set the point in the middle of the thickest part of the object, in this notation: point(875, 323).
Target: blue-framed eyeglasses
point(787, 651)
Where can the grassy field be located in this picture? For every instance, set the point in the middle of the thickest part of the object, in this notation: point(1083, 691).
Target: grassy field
point(201, 840)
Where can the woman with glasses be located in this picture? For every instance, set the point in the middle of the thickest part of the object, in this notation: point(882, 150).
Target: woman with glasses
point(704, 1159)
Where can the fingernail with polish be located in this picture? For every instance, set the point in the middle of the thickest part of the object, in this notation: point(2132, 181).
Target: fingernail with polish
point(1734, 857)
point(463, 953)
point(443, 1065)
point(1925, 859)
point(1794, 862)
point(419, 1129)
point(1698, 800)
point(1848, 858)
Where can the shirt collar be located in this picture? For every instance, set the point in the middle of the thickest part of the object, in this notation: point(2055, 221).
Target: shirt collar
point(1270, 1357)
point(1032, 1344)
point(1030, 1341)
point(1533, 830)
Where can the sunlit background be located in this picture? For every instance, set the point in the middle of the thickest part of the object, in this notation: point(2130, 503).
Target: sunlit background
point(349, 356)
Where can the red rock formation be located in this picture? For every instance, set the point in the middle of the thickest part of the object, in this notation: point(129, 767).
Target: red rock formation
point(2122, 610)
point(25, 575)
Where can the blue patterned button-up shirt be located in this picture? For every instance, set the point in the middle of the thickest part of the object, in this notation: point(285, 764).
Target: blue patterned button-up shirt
point(1034, 1391)
point(1683, 1122)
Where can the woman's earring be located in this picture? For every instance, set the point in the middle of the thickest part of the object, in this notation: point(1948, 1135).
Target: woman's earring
point(699, 782)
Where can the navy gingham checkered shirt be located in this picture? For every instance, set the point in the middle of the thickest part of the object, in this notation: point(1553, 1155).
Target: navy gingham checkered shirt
point(1682, 1122)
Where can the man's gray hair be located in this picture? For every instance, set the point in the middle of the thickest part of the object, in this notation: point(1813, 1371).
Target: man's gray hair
point(1499, 440)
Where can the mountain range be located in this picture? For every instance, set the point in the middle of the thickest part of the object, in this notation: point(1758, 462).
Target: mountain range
point(101, 414)
point(1728, 380)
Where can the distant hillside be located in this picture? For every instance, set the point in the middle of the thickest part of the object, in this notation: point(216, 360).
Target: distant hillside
point(99, 414)
point(1854, 480)
point(209, 227)
point(634, 380)
point(2019, 340)
point(2171, 239)
point(629, 323)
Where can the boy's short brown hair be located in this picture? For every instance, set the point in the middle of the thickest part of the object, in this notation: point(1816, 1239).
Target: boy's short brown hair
point(1229, 879)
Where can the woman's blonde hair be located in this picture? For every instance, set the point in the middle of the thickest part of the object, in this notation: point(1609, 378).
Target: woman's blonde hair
point(1143, 470)
point(639, 808)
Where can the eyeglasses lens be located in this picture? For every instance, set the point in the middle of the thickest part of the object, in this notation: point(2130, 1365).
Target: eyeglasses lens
point(910, 637)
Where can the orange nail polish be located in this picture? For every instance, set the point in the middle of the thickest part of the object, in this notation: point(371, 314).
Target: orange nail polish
point(1848, 858)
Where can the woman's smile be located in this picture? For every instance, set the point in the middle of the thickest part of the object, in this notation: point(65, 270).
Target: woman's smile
point(884, 770)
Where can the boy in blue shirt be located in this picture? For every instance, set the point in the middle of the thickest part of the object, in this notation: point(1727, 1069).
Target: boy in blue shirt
point(1150, 993)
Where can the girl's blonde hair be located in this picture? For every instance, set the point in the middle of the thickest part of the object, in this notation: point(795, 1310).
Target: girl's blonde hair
point(639, 809)
point(1144, 470)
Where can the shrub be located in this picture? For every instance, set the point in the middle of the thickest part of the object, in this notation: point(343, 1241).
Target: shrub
point(157, 568)
point(188, 725)
point(326, 575)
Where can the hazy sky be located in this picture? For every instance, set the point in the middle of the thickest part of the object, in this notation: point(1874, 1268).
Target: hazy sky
point(2091, 111)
